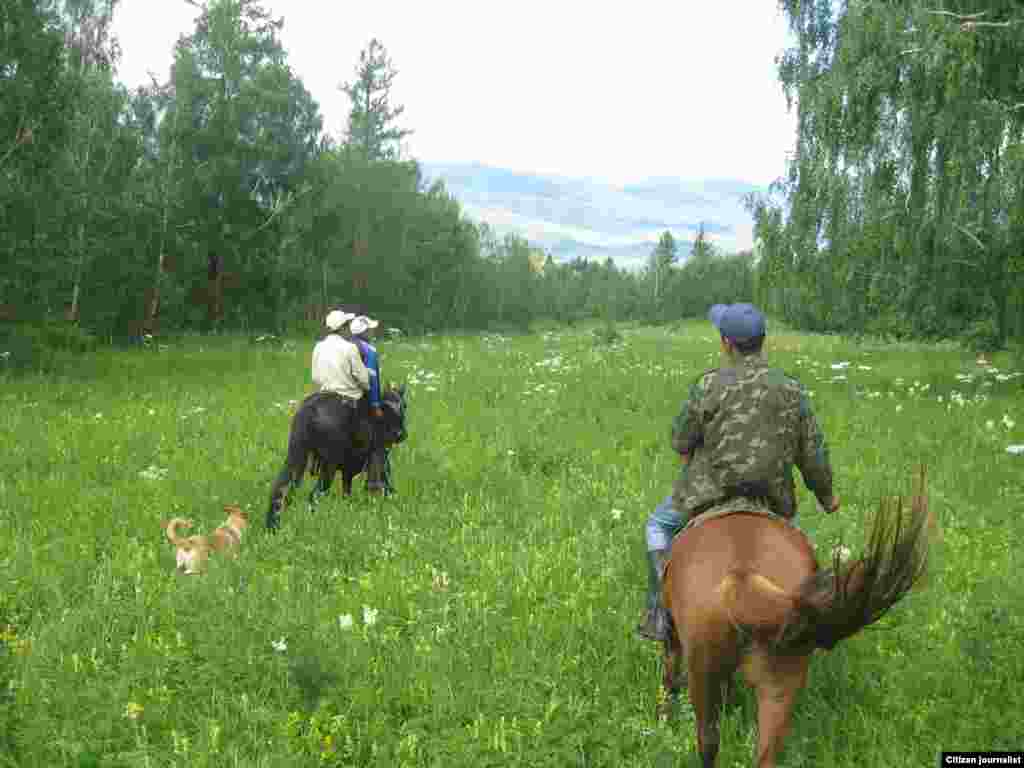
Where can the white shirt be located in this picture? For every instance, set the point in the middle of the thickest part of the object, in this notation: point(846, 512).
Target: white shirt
point(337, 367)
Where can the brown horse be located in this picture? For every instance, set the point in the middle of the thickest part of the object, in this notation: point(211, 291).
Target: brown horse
point(745, 592)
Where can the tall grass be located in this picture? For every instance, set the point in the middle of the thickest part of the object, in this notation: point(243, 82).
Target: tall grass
point(485, 615)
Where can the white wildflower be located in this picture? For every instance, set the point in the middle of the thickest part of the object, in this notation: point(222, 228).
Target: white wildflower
point(840, 366)
point(863, 367)
point(1007, 421)
point(1016, 450)
point(843, 552)
point(279, 645)
point(345, 621)
point(153, 472)
point(369, 615)
point(439, 579)
point(617, 514)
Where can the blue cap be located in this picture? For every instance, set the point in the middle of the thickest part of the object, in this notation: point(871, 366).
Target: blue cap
point(738, 321)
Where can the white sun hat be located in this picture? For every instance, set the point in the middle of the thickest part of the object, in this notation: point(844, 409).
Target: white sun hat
point(362, 324)
point(336, 319)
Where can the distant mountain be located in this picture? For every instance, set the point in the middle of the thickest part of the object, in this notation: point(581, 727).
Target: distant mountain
point(580, 217)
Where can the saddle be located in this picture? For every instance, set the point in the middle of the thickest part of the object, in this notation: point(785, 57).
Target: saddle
point(740, 506)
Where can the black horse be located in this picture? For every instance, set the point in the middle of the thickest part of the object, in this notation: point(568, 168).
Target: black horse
point(337, 436)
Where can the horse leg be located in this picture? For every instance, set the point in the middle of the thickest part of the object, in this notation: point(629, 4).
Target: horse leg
point(347, 476)
point(674, 673)
point(323, 483)
point(281, 495)
point(706, 682)
point(375, 485)
point(778, 683)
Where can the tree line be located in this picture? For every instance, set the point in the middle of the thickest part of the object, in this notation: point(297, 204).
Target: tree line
point(215, 200)
point(903, 209)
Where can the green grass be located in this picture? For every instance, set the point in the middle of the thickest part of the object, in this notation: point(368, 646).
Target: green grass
point(506, 590)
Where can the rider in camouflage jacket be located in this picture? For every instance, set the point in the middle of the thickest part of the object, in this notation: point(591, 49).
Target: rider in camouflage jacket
point(745, 427)
point(740, 432)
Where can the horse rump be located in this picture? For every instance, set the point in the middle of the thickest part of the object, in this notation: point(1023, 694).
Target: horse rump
point(836, 603)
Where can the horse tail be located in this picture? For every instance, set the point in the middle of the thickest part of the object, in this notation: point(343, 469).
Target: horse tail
point(838, 602)
point(295, 465)
point(298, 446)
point(171, 529)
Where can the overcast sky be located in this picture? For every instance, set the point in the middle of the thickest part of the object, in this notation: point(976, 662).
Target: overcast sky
point(618, 92)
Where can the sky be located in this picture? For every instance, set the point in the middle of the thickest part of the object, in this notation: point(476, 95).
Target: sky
point(616, 92)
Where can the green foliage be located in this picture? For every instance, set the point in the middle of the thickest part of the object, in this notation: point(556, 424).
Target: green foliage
point(889, 326)
point(905, 195)
point(608, 333)
point(983, 336)
point(43, 346)
point(213, 200)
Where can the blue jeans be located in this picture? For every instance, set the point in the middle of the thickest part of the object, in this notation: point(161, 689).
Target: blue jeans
point(663, 524)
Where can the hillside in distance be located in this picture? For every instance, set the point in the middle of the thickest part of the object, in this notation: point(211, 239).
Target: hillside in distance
point(585, 218)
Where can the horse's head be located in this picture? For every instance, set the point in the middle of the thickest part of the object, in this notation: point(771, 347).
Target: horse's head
point(394, 405)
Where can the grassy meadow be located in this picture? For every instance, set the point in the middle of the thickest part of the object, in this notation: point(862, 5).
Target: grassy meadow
point(485, 615)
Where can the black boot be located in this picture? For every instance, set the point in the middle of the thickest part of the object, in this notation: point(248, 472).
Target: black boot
point(655, 623)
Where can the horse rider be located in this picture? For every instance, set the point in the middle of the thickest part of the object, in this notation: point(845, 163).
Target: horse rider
point(363, 329)
point(338, 367)
point(751, 424)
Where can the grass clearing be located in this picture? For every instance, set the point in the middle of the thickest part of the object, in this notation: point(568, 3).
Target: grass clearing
point(485, 615)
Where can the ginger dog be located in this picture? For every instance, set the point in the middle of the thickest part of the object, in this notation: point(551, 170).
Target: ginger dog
point(193, 551)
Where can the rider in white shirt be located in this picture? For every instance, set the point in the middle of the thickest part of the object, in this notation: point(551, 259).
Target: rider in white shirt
point(337, 365)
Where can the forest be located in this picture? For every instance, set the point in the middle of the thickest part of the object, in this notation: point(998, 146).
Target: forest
point(216, 201)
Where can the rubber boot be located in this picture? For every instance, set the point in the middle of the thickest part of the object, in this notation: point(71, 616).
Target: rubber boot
point(655, 623)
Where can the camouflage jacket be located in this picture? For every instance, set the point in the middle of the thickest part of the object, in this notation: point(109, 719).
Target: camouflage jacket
point(744, 427)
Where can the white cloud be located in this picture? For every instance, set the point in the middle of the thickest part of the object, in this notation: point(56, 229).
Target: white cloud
point(617, 92)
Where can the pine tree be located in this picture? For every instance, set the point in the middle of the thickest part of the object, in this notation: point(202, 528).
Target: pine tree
point(371, 120)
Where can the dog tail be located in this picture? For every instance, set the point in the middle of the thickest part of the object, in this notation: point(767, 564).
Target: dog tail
point(172, 530)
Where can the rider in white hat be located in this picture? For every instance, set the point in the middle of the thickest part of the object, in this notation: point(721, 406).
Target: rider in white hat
point(337, 365)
